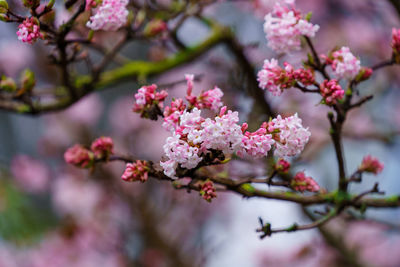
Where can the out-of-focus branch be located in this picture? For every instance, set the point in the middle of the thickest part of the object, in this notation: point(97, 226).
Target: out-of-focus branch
point(266, 229)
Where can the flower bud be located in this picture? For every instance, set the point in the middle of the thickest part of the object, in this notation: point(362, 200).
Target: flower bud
point(27, 80)
point(371, 164)
point(154, 27)
point(102, 147)
point(8, 84)
point(282, 166)
point(137, 171)
point(30, 3)
point(364, 74)
point(79, 156)
point(4, 17)
point(3, 6)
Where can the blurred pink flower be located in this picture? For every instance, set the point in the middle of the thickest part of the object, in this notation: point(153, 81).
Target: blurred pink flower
point(87, 111)
point(30, 174)
point(76, 197)
point(14, 56)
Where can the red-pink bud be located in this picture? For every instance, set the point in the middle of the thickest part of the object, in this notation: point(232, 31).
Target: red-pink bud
point(282, 166)
point(207, 191)
point(303, 183)
point(371, 164)
point(137, 171)
point(102, 147)
point(79, 156)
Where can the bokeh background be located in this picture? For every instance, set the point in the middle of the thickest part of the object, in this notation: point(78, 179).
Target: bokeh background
point(52, 214)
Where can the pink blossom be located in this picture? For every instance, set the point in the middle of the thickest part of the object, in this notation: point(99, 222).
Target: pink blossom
point(303, 183)
point(79, 156)
point(274, 78)
point(345, 64)
point(75, 196)
point(109, 16)
point(172, 114)
point(29, 31)
point(137, 171)
point(210, 99)
point(284, 27)
point(371, 164)
point(31, 175)
point(208, 191)
point(147, 99)
point(256, 144)
point(395, 40)
point(282, 166)
point(289, 134)
point(194, 136)
point(331, 91)
point(223, 133)
point(102, 147)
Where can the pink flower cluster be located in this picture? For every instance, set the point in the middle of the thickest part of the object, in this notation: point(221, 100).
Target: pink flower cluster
point(396, 40)
point(137, 171)
point(102, 147)
point(284, 27)
point(289, 134)
point(282, 166)
point(331, 91)
point(275, 79)
point(345, 64)
point(195, 136)
point(303, 183)
point(147, 98)
point(210, 99)
point(256, 144)
point(371, 164)
point(79, 156)
point(207, 191)
point(109, 16)
point(29, 31)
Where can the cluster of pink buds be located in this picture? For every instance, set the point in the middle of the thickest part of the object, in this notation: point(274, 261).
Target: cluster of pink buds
point(331, 91)
point(304, 76)
point(371, 164)
point(102, 147)
point(149, 102)
point(137, 171)
point(211, 99)
point(29, 31)
point(79, 156)
point(282, 166)
point(275, 79)
point(284, 28)
point(207, 191)
point(303, 183)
